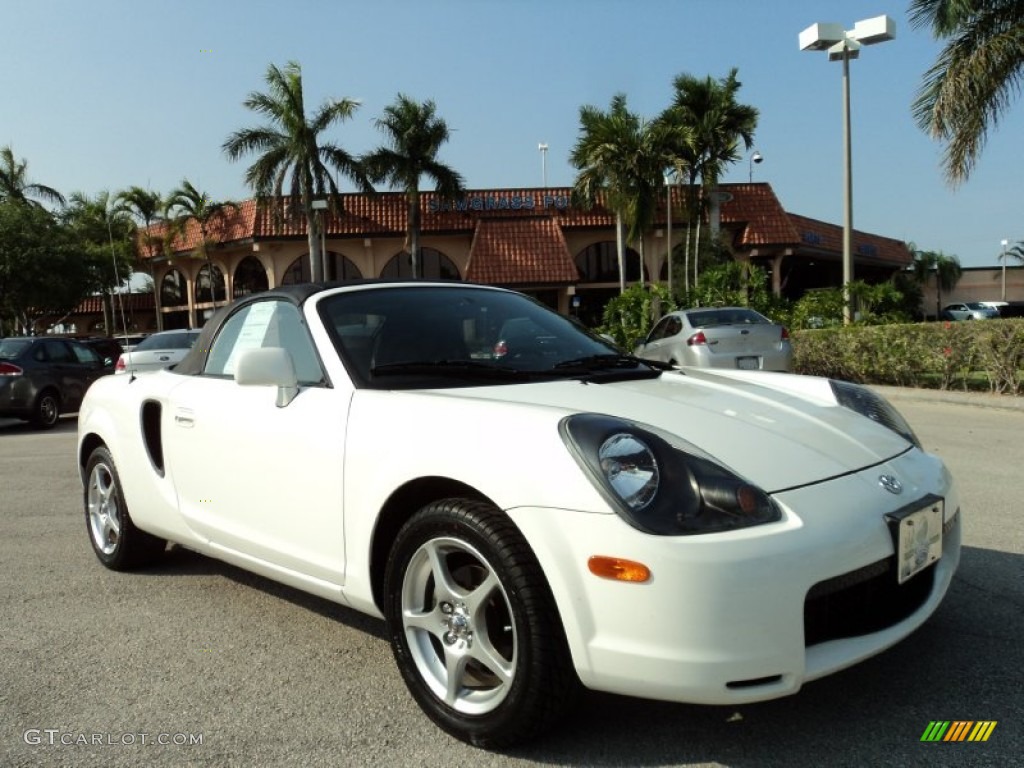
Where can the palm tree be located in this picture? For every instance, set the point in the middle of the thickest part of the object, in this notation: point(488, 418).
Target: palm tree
point(414, 135)
point(946, 268)
point(974, 78)
point(620, 158)
point(15, 186)
point(187, 203)
point(292, 143)
point(146, 206)
point(713, 124)
point(103, 232)
point(1017, 254)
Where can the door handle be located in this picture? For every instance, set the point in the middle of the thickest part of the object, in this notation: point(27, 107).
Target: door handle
point(184, 417)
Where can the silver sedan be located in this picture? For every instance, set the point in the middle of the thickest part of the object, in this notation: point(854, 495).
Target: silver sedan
point(970, 310)
point(719, 337)
point(160, 350)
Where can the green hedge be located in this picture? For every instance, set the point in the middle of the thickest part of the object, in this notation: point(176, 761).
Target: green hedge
point(975, 355)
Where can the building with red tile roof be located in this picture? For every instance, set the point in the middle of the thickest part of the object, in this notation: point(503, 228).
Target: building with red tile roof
point(535, 240)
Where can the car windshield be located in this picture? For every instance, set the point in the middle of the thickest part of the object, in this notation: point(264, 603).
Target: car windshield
point(430, 336)
point(977, 305)
point(183, 340)
point(708, 318)
point(11, 348)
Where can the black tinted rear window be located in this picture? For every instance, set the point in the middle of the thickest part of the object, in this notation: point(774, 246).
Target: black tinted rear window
point(11, 348)
point(168, 341)
point(711, 317)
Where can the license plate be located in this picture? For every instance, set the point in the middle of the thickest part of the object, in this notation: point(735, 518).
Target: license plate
point(917, 535)
point(747, 363)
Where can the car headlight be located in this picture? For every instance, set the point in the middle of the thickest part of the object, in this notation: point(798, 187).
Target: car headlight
point(869, 403)
point(660, 484)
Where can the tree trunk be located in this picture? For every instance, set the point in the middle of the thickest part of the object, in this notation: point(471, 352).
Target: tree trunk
point(156, 296)
point(643, 257)
point(313, 240)
point(414, 235)
point(696, 253)
point(620, 247)
point(108, 314)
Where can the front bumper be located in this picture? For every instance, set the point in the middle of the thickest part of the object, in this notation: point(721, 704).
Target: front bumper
point(722, 620)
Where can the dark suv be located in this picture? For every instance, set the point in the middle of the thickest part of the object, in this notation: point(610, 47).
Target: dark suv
point(41, 378)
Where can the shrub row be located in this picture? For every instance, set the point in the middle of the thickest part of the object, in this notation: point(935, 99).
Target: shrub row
point(965, 355)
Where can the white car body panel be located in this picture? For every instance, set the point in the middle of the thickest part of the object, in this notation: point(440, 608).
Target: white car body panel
point(300, 501)
point(628, 639)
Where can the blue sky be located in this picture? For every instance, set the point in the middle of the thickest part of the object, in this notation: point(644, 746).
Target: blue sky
point(110, 93)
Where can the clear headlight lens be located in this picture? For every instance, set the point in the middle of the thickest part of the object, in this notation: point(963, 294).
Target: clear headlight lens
point(869, 403)
point(630, 468)
point(660, 484)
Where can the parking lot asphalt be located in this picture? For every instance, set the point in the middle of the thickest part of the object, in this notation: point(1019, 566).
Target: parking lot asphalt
point(952, 397)
point(96, 667)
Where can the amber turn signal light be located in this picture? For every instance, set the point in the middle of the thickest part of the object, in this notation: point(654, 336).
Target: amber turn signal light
point(618, 569)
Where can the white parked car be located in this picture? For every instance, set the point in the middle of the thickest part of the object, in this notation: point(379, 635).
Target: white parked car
point(719, 337)
point(159, 350)
point(527, 520)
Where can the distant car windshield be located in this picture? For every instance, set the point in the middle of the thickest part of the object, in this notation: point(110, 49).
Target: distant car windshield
point(183, 340)
point(454, 336)
point(11, 348)
point(977, 305)
point(707, 318)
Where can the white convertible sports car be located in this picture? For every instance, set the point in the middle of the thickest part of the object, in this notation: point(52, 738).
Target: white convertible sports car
point(526, 507)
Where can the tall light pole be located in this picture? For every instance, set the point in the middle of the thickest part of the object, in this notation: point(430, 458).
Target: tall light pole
point(1003, 259)
point(543, 148)
point(843, 45)
point(757, 157)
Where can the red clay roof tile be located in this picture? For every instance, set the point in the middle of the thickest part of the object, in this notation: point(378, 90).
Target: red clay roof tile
point(520, 251)
point(751, 211)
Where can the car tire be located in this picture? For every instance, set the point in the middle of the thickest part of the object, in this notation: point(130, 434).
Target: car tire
point(473, 625)
point(118, 544)
point(46, 411)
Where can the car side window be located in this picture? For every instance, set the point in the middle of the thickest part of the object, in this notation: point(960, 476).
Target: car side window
point(662, 329)
point(85, 355)
point(58, 352)
point(265, 324)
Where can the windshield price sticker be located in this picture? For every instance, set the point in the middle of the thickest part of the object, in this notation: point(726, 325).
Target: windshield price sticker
point(918, 537)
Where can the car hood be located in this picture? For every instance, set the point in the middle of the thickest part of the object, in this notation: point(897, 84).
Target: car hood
point(779, 431)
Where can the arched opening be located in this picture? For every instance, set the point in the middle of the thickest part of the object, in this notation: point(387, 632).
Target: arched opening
point(338, 266)
point(210, 285)
point(434, 265)
point(599, 263)
point(172, 290)
point(250, 277)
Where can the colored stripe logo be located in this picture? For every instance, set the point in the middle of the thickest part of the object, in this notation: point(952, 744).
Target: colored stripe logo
point(958, 730)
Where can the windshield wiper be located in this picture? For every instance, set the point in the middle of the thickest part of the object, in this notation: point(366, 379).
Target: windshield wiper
point(472, 368)
point(610, 362)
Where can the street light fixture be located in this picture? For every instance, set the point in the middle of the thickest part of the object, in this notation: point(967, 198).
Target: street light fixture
point(843, 45)
point(758, 158)
point(543, 163)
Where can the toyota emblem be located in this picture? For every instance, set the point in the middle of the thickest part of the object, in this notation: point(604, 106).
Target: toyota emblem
point(890, 483)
